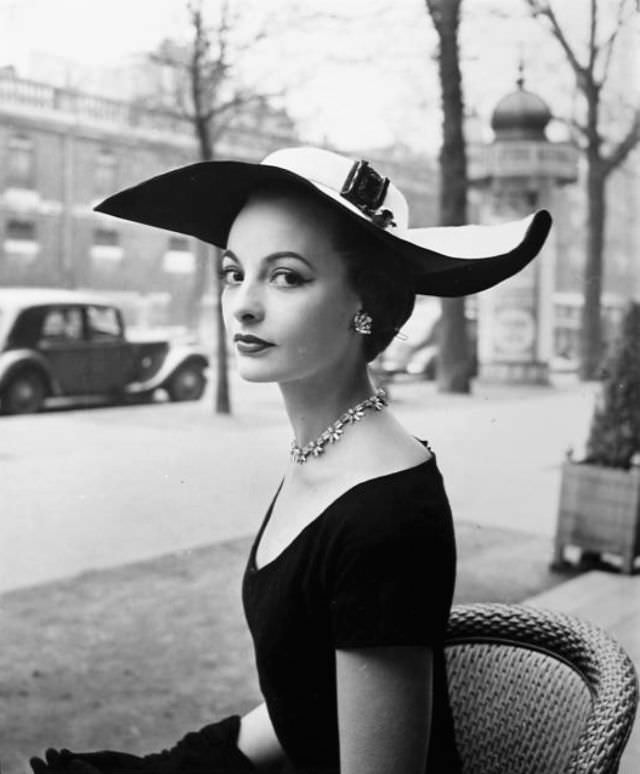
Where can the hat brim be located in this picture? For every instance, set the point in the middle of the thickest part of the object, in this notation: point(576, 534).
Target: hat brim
point(203, 199)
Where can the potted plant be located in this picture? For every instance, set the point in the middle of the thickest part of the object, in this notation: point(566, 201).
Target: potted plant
point(599, 508)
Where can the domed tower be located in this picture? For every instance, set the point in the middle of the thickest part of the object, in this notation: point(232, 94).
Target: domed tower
point(519, 172)
point(521, 115)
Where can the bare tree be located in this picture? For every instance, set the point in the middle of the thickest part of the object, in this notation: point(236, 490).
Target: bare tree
point(602, 154)
point(205, 92)
point(453, 346)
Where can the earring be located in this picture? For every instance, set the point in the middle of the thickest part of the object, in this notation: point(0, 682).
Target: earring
point(362, 322)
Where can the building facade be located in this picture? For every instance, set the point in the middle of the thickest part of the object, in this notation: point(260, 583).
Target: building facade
point(62, 151)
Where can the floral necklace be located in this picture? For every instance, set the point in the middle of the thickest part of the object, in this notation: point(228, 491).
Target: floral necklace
point(333, 433)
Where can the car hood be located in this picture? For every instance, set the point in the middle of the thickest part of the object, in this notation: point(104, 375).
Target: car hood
point(138, 338)
point(173, 335)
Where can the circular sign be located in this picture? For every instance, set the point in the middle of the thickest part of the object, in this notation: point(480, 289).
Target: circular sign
point(514, 331)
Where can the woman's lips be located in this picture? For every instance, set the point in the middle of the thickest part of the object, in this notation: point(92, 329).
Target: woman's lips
point(250, 344)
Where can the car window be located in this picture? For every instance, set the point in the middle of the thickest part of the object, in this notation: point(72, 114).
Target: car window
point(26, 329)
point(103, 323)
point(61, 325)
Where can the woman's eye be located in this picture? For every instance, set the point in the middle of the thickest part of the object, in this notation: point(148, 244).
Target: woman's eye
point(286, 278)
point(231, 275)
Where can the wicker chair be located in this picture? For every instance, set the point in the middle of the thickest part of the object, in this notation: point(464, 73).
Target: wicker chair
point(537, 692)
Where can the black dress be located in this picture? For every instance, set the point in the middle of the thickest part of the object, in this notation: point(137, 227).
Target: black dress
point(375, 568)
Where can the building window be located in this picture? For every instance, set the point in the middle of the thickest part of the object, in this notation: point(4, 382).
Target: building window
point(21, 230)
point(20, 238)
point(21, 162)
point(106, 168)
point(106, 245)
point(178, 259)
point(106, 237)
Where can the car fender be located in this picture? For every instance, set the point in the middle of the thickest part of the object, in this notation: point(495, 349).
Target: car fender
point(14, 359)
point(176, 357)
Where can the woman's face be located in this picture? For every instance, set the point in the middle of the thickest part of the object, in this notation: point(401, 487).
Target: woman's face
point(287, 302)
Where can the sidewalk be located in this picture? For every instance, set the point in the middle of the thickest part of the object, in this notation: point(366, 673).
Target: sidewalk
point(103, 487)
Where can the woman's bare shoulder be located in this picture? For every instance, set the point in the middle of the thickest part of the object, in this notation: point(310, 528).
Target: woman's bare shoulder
point(386, 444)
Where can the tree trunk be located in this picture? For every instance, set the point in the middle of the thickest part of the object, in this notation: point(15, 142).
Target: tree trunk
point(591, 331)
point(199, 282)
point(599, 164)
point(591, 328)
point(200, 276)
point(453, 347)
point(222, 397)
point(454, 369)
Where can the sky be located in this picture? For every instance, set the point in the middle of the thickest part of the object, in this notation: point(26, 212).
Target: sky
point(365, 79)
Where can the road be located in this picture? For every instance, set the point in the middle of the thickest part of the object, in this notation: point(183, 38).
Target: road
point(90, 488)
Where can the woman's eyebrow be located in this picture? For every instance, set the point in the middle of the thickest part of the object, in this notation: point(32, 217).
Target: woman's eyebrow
point(271, 257)
point(287, 254)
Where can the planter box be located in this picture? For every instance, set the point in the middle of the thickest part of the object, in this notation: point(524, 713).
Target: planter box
point(599, 511)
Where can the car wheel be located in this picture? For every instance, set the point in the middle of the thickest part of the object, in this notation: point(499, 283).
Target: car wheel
point(24, 394)
point(187, 383)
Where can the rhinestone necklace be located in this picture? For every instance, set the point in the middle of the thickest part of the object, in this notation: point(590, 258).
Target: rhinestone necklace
point(333, 433)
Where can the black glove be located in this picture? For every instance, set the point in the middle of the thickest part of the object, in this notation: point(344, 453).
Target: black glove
point(212, 750)
point(64, 762)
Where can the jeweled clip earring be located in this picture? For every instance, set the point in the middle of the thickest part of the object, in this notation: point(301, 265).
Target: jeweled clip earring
point(362, 323)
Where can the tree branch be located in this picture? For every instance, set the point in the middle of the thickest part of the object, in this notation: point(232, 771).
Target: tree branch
point(435, 10)
point(606, 49)
point(574, 126)
point(239, 100)
point(539, 8)
point(593, 32)
point(223, 38)
point(620, 152)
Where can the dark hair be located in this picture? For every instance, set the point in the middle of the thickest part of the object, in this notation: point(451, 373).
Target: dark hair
point(382, 283)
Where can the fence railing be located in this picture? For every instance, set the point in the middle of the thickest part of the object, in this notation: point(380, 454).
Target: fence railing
point(41, 96)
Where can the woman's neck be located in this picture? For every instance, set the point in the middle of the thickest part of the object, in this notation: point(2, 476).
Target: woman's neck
point(314, 404)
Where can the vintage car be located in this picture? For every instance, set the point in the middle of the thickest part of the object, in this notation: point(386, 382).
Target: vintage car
point(415, 350)
point(59, 343)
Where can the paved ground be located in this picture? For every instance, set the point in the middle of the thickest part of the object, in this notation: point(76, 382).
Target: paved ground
point(82, 490)
point(94, 488)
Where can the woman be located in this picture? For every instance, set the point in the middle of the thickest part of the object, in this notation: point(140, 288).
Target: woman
point(349, 582)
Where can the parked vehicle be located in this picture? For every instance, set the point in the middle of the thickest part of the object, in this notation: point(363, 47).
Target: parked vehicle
point(59, 343)
point(415, 350)
point(416, 334)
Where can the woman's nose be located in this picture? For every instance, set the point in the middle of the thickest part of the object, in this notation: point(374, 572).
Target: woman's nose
point(247, 303)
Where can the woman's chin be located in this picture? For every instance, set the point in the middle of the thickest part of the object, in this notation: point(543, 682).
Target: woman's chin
point(252, 372)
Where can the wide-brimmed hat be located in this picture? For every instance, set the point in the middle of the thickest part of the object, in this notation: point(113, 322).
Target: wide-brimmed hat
point(203, 199)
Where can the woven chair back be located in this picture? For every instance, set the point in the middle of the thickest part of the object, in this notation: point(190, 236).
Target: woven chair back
point(535, 692)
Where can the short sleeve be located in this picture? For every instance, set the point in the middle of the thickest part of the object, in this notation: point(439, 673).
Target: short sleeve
point(392, 581)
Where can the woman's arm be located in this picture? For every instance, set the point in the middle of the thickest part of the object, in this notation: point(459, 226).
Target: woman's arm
point(257, 739)
point(384, 709)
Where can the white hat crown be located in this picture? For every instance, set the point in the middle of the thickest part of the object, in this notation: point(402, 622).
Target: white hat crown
point(330, 173)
